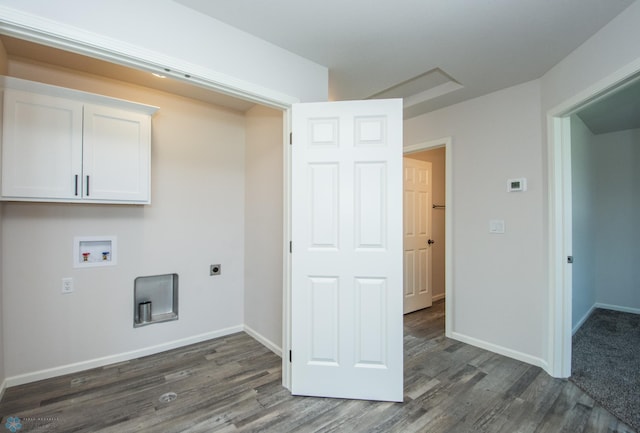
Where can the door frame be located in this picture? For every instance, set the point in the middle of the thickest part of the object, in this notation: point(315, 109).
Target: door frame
point(560, 225)
point(447, 143)
point(286, 251)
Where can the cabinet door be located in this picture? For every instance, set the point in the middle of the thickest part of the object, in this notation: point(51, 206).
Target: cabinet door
point(42, 146)
point(116, 155)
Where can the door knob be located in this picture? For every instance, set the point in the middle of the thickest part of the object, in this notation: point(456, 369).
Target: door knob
point(431, 241)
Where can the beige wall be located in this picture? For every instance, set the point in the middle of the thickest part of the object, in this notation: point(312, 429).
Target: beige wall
point(437, 159)
point(196, 218)
point(4, 61)
point(499, 281)
point(263, 290)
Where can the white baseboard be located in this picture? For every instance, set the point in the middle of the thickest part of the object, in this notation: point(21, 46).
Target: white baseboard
point(437, 297)
point(3, 386)
point(617, 308)
point(264, 341)
point(112, 359)
point(538, 362)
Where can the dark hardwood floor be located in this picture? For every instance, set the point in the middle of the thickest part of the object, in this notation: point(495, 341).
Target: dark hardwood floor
point(233, 384)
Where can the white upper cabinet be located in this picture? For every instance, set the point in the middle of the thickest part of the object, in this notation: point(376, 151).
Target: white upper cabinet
point(41, 146)
point(62, 145)
point(116, 154)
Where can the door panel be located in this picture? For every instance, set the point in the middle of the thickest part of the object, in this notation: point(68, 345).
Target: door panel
point(42, 146)
point(323, 314)
point(325, 206)
point(347, 250)
point(116, 154)
point(371, 340)
point(417, 232)
point(370, 205)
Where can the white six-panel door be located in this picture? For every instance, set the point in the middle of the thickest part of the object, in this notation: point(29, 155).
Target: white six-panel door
point(418, 200)
point(346, 293)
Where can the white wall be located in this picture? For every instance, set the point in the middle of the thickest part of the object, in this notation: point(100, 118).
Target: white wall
point(617, 213)
point(499, 281)
point(438, 167)
point(196, 218)
point(583, 179)
point(166, 32)
point(263, 292)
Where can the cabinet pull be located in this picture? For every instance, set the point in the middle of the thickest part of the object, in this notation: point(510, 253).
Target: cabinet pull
point(76, 186)
point(87, 186)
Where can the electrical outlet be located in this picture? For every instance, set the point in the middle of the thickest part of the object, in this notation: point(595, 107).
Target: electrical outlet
point(215, 269)
point(67, 285)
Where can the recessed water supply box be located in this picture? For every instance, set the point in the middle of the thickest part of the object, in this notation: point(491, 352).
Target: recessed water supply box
point(91, 251)
point(155, 299)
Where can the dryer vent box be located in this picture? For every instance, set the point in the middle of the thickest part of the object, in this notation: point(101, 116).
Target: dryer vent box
point(155, 299)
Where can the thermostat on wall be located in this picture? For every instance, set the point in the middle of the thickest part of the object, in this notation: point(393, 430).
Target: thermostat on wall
point(514, 185)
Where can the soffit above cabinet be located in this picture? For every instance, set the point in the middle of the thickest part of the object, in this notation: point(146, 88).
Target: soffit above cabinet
point(22, 50)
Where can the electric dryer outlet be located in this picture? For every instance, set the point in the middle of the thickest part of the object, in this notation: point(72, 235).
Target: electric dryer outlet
point(215, 270)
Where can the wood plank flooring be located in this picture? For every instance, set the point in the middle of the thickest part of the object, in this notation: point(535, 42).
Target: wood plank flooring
point(233, 384)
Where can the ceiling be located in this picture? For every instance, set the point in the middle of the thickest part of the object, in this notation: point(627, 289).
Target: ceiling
point(616, 111)
point(433, 53)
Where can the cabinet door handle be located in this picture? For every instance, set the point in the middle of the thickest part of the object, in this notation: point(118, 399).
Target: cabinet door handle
point(87, 185)
point(76, 186)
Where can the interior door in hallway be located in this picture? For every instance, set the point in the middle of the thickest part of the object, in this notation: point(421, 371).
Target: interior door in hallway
point(346, 280)
point(418, 200)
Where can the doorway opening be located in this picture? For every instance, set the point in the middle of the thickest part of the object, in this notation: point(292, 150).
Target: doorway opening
point(600, 143)
point(605, 150)
point(423, 240)
point(439, 153)
point(573, 295)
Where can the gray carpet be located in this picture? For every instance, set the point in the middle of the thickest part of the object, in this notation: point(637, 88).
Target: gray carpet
point(606, 362)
